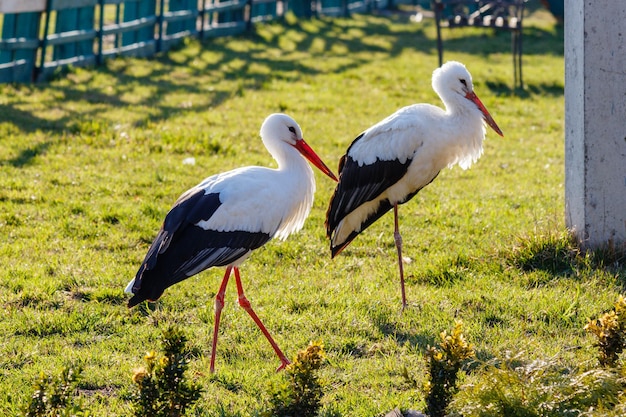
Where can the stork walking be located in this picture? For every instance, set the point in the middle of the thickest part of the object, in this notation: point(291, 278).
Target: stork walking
point(220, 221)
point(389, 163)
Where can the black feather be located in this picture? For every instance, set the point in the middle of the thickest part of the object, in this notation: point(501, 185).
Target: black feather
point(183, 249)
point(360, 184)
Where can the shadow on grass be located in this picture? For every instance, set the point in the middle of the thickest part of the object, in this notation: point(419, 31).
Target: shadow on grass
point(535, 41)
point(529, 90)
point(389, 323)
point(27, 155)
point(318, 38)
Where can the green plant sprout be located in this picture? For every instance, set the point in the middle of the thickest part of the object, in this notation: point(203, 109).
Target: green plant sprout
point(55, 396)
point(163, 390)
point(301, 394)
point(444, 364)
point(610, 329)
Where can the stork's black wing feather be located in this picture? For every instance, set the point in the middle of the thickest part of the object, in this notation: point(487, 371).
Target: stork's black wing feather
point(359, 184)
point(183, 249)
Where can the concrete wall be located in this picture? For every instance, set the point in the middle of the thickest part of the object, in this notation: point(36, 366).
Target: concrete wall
point(595, 121)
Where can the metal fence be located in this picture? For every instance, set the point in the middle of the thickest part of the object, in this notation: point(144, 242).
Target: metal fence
point(40, 36)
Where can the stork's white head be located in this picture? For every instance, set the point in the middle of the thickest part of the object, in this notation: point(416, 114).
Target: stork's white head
point(452, 79)
point(453, 82)
point(278, 129)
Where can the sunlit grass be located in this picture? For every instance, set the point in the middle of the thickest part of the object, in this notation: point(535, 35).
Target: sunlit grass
point(91, 162)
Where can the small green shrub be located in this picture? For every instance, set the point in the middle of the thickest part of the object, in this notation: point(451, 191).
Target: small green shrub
point(301, 395)
point(554, 252)
point(163, 390)
point(54, 397)
point(444, 364)
point(610, 330)
point(558, 253)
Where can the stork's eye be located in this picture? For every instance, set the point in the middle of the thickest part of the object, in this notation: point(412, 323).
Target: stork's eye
point(463, 82)
point(292, 129)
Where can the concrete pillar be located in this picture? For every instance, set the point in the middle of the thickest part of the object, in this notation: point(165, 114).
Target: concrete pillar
point(595, 121)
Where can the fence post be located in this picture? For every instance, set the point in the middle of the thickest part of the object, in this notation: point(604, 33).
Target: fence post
point(159, 41)
point(248, 15)
point(44, 42)
point(100, 35)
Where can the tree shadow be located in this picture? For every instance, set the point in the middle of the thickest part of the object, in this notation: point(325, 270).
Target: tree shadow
point(354, 40)
point(318, 37)
point(529, 90)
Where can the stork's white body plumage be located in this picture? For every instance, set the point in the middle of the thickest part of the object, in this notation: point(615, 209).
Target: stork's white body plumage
point(390, 162)
point(248, 199)
point(223, 219)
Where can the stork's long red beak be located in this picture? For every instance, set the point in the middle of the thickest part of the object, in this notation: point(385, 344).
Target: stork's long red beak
point(474, 98)
point(309, 154)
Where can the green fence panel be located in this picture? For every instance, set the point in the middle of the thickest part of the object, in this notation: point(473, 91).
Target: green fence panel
point(71, 37)
point(118, 34)
point(133, 11)
point(18, 46)
point(236, 15)
point(224, 18)
point(75, 21)
point(185, 19)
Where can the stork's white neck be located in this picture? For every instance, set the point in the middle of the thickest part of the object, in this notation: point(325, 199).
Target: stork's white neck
point(298, 182)
point(466, 133)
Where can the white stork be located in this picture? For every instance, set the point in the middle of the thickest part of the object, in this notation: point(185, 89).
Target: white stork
point(223, 219)
point(389, 163)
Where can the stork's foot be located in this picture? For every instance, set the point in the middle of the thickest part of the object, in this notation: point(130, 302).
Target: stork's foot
point(284, 364)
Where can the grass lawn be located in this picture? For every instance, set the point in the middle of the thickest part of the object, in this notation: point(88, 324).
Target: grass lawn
point(91, 162)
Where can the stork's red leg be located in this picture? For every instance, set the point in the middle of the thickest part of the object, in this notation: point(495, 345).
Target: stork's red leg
point(219, 304)
point(243, 302)
point(398, 239)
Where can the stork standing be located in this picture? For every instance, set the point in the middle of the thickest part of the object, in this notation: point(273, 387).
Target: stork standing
point(220, 221)
point(389, 163)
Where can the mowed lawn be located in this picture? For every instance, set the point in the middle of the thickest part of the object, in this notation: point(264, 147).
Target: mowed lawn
point(91, 162)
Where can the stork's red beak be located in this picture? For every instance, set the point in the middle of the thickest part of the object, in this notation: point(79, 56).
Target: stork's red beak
point(309, 154)
point(474, 98)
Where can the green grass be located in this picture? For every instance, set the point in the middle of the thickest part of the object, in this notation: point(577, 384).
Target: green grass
point(91, 162)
